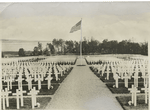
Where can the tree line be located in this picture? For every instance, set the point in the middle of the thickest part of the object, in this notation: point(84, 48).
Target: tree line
point(89, 47)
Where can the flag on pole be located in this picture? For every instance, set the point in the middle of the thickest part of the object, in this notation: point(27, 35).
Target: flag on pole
point(76, 27)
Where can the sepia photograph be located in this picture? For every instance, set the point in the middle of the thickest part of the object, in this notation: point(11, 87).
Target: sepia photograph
point(74, 55)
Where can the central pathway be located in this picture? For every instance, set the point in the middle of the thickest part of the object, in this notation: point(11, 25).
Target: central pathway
point(82, 90)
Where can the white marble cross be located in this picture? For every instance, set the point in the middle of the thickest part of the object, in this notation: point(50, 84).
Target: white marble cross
point(136, 79)
point(145, 77)
point(146, 92)
point(103, 70)
point(116, 77)
point(126, 77)
point(107, 72)
point(20, 79)
point(56, 74)
point(4, 95)
point(49, 78)
point(9, 82)
point(39, 79)
point(33, 93)
point(18, 93)
point(29, 80)
point(134, 92)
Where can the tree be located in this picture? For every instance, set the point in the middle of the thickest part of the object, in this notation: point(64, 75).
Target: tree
point(77, 47)
point(2, 55)
point(40, 48)
point(69, 46)
point(21, 52)
point(46, 52)
point(51, 47)
point(61, 43)
point(144, 48)
point(35, 51)
point(56, 44)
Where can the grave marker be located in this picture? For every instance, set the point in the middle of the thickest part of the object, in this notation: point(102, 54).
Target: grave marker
point(49, 78)
point(146, 92)
point(33, 93)
point(116, 77)
point(126, 77)
point(134, 90)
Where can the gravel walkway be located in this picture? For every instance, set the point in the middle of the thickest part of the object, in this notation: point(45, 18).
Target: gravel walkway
point(82, 90)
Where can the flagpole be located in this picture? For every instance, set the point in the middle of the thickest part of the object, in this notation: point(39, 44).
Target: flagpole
point(81, 43)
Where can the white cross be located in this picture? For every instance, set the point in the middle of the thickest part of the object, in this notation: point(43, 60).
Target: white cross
point(4, 95)
point(146, 91)
point(56, 75)
point(49, 78)
point(107, 72)
point(133, 90)
point(145, 77)
point(9, 82)
point(29, 80)
point(126, 77)
point(33, 93)
point(39, 79)
point(18, 93)
point(20, 79)
point(136, 79)
point(116, 77)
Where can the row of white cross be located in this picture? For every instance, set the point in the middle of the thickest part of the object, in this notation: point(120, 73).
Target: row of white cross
point(127, 69)
point(19, 95)
point(124, 70)
point(37, 71)
point(33, 73)
point(134, 92)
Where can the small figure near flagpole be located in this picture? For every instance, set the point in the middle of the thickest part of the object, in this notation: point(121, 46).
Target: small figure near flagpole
point(77, 27)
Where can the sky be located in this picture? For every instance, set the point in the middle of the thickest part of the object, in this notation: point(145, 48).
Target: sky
point(24, 24)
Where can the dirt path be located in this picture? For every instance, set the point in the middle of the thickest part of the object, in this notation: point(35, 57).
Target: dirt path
point(82, 90)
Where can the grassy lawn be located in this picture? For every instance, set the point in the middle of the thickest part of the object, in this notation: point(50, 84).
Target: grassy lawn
point(123, 100)
point(27, 103)
point(44, 90)
point(121, 88)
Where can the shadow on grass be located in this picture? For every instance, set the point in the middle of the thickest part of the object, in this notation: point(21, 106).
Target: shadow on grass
point(122, 89)
point(27, 103)
point(123, 100)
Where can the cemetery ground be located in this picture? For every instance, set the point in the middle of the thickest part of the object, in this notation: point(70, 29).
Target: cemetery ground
point(131, 91)
point(24, 81)
point(76, 87)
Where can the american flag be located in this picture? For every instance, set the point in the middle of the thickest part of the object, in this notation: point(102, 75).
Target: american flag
point(76, 27)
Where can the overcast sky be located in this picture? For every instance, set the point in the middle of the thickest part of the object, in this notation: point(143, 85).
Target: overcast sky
point(46, 21)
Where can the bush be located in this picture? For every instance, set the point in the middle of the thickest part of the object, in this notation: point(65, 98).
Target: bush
point(21, 52)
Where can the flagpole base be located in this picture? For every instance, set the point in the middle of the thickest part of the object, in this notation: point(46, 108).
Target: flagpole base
point(81, 59)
